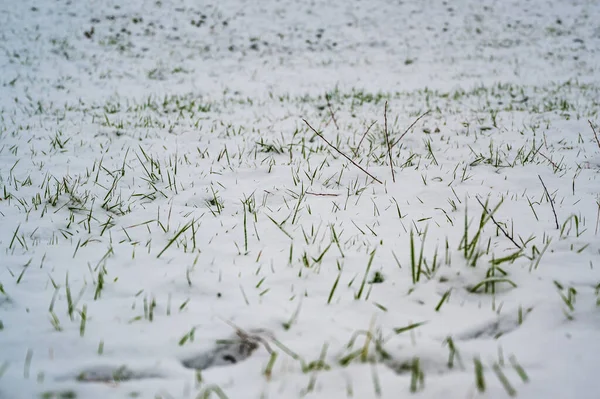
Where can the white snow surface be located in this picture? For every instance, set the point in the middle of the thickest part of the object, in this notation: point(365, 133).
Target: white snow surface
point(160, 193)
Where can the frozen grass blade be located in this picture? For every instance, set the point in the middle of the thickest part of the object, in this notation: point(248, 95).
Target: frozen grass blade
point(387, 141)
point(282, 229)
point(376, 382)
point(27, 364)
point(538, 258)
point(453, 353)
point(269, 368)
point(551, 202)
point(189, 336)
point(504, 381)
point(417, 265)
point(364, 280)
point(444, 298)
point(99, 284)
point(55, 321)
point(83, 315)
point(70, 306)
point(287, 325)
point(402, 330)
point(417, 376)
point(479, 378)
point(245, 229)
point(172, 240)
point(492, 281)
point(520, 371)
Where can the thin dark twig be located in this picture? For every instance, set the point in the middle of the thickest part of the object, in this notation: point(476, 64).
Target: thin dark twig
point(322, 194)
point(387, 142)
point(535, 152)
point(331, 112)
point(549, 160)
point(412, 124)
point(341, 153)
point(498, 224)
point(363, 137)
point(551, 202)
point(595, 134)
point(597, 218)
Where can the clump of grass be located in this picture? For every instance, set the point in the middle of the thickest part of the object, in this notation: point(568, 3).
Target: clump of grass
point(568, 295)
point(496, 275)
point(418, 266)
point(417, 376)
point(469, 244)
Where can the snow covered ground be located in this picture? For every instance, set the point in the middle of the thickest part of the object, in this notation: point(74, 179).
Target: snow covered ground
point(174, 223)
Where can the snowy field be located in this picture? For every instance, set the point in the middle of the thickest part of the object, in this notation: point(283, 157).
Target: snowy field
point(284, 199)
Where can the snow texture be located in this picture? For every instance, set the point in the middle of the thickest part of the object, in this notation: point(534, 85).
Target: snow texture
point(176, 222)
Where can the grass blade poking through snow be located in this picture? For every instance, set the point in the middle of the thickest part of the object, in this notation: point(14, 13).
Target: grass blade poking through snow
point(444, 298)
point(335, 284)
point(401, 330)
point(453, 354)
point(387, 141)
point(416, 266)
point(417, 377)
point(269, 369)
point(83, 315)
point(518, 368)
point(281, 228)
point(504, 381)
point(364, 280)
point(492, 281)
point(180, 232)
point(479, 378)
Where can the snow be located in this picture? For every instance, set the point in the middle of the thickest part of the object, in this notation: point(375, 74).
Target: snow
point(172, 228)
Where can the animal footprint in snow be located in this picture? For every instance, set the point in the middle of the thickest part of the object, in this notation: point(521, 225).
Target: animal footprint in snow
point(230, 351)
point(495, 328)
